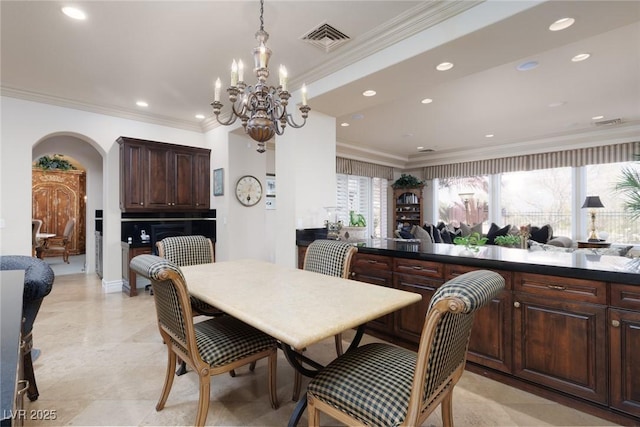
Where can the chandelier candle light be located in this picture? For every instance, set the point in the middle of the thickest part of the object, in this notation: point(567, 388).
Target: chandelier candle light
point(260, 107)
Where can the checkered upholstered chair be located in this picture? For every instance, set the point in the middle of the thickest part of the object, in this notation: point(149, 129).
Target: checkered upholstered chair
point(332, 258)
point(211, 347)
point(383, 385)
point(190, 250)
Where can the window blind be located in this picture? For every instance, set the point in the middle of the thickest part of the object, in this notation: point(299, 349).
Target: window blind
point(356, 167)
point(568, 158)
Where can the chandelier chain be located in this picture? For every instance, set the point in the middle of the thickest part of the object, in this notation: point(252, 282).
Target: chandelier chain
point(261, 15)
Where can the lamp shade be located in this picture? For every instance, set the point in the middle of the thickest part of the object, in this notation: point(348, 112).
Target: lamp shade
point(592, 202)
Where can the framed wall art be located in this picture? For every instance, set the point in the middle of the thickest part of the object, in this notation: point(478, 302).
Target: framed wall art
point(218, 182)
point(271, 185)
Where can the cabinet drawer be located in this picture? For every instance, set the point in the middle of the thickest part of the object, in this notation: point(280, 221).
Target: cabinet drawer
point(419, 268)
point(625, 296)
point(561, 287)
point(453, 270)
point(364, 263)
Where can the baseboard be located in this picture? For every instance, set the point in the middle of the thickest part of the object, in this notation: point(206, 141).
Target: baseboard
point(112, 286)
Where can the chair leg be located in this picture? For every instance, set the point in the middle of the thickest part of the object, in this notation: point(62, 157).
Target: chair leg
point(203, 399)
point(273, 371)
point(297, 385)
point(447, 409)
point(313, 415)
point(252, 366)
point(32, 391)
point(339, 344)
point(168, 379)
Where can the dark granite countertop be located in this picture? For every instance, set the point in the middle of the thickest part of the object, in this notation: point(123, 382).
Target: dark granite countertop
point(607, 268)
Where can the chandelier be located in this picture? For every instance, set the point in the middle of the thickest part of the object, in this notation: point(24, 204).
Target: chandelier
point(261, 108)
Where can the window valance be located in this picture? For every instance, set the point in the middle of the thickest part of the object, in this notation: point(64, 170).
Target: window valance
point(569, 158)
point(356, 167)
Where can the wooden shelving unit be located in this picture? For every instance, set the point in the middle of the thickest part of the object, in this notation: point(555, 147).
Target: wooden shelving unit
point(408, 205)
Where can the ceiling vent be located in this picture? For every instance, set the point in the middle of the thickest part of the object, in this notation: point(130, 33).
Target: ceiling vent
point(608, 122)
point(426, 150)
point(326, 38)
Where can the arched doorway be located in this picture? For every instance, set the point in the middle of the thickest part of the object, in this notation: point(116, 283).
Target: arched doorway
point(82, 154)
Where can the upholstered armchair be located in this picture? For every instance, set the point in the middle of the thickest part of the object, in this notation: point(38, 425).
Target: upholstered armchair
point(38, 281)
point(59, 245)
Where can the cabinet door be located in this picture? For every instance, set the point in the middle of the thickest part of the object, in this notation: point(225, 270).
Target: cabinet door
point(132, 176)
point(490, 343)
point(183, 180)
point(561, 344)
point(624, 338)
point(159, 177)
point(376, 270)
point(409, 320)
point(202, 180)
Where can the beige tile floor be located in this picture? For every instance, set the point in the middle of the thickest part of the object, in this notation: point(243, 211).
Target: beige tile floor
point(102, 363)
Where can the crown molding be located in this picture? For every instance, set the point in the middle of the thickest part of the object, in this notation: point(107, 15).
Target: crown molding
point(100, 109)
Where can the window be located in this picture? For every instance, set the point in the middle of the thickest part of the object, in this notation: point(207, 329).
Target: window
point(613, 222)
point(464, 200)
point(537, 198)
point(366, 196)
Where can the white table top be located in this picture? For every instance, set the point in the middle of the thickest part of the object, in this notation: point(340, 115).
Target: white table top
point(44, 235)
point(294, 306)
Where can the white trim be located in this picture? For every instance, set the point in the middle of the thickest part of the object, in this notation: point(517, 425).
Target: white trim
point(112, 286)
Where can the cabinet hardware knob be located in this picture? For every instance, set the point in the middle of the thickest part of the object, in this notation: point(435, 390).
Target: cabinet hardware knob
point(353, 274)
point(615, 323)
point(516, 304)
point(557, 287)
point(141, 204)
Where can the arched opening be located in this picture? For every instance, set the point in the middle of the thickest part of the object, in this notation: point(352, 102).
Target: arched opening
point(81, 152)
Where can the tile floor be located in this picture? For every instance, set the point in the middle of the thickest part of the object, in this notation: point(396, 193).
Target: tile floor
point(102, 363)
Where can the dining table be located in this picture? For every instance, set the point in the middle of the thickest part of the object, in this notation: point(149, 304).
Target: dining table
point(297, 307)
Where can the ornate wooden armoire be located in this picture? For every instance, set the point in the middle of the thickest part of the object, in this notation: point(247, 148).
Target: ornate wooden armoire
point(57, 196)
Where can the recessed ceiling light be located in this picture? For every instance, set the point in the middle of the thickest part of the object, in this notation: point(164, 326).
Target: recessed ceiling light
point(344, 124)
point(489, 135)
point(557, 104)
point(369, 92)
point(420, 148)
point(526, 66)
point(562, 24)
point(444, 66)
point(74, 13)
point(142, 104)
point(581, 57)
point(427, 101)
point(200, 116)
point(597, 117)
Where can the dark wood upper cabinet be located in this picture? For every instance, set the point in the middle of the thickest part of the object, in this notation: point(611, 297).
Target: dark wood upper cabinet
point(160, 176)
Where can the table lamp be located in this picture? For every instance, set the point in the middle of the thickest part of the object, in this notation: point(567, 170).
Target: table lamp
point(593, 202)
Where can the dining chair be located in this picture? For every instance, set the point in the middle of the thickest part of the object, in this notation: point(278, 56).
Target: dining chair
point(332, 258)
point(380, 384)
point(59, 245)
point(211, 347)
point(36, 225)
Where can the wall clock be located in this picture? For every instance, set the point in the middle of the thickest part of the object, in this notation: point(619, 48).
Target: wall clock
point(248, 190)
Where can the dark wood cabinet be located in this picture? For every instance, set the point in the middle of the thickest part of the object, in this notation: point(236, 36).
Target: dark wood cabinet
point(624, 352)
point(377, 270)
point(559, 340)
point(159, 176)
point(129, 282)
point(491, 336)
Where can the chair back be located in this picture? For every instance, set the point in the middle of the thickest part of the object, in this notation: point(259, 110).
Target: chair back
point(68, 229)
point(36, 225)
point(330, 257)
point(171, 298)
point(445, 336)
point(186, 250)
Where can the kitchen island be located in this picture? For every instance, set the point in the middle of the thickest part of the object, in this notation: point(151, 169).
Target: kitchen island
point(567, 326)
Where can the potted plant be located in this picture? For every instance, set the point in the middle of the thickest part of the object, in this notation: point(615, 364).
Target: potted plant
point(629, 187)
point(57, 162)
point(509, 241)
point(407, 181)
point(471, 242)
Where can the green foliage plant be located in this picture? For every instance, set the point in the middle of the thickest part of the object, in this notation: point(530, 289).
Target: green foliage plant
point(407, 181)
point(509, 240)
point(471, 242)
point(54, 163)
point(629, 187)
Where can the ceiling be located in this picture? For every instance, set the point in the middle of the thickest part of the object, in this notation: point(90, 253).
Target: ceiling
point(168, 53)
